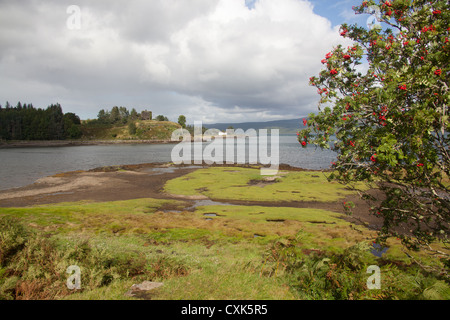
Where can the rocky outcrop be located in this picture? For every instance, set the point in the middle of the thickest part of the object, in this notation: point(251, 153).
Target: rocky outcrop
point(143, 289)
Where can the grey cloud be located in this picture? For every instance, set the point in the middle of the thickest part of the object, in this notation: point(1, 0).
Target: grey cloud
point(207, 59)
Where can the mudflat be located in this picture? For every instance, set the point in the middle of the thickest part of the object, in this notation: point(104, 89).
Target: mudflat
point(102, 184)
point(128, 182)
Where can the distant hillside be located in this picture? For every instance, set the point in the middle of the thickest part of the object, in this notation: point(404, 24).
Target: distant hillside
point(285, 126)
point(144, 130)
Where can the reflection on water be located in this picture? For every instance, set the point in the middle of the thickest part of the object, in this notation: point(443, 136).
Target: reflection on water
point(377, 250)
point(204, 203)
point(22, 166)
point(210, 214)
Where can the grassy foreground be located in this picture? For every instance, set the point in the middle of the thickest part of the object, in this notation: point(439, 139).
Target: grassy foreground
point(212, 252)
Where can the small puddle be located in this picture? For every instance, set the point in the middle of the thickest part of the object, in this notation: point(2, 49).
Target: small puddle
point(378, 250)
point(211, 215)
point(157, 171)
point(163, 170)
point(203, 203)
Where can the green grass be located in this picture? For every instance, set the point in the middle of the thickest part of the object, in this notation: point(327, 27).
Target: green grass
point(229, 266)
point(142, 216)
point(240, 252)
point(113, 216)
point(242, 184)
point(321, 228)
point(243, 269)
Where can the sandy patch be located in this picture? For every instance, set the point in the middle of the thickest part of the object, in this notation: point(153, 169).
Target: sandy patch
point(101, 184)
point(52, 185)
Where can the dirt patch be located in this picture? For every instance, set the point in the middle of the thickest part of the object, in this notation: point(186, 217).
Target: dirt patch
point(263, 182)
point(61, 185)
point(361, 214)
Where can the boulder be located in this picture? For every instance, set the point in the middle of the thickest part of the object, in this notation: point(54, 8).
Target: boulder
point(142, 290)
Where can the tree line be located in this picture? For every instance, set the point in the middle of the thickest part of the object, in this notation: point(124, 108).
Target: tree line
point(25, 122)
point(121, 116)
point(118, 115)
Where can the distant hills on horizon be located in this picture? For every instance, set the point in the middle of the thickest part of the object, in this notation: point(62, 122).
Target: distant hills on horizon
point(290, 126)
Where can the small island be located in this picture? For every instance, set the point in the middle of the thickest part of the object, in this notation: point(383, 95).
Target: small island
point(27, 126)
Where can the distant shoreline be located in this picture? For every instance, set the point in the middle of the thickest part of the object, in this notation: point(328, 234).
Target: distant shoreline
point(75, 143)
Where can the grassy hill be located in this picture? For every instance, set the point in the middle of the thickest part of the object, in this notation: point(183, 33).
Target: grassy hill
point(145, 130)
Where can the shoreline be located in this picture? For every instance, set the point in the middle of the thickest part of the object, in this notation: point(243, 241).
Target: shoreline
point(75, 143)
point(137, 166)
point(6, 144)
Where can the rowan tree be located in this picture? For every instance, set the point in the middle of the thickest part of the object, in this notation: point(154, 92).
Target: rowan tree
point(384, 109)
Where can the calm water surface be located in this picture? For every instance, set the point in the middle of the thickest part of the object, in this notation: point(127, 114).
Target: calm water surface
point(23, 166)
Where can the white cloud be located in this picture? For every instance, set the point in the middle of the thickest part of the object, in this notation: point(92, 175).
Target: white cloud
point(212, 60)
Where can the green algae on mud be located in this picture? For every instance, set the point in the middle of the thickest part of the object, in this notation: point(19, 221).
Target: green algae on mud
point(247, 184)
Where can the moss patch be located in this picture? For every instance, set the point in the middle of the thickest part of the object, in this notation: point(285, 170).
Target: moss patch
point(247, 184)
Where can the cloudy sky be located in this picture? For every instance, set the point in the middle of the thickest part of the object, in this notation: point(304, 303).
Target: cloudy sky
point(211, 60)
